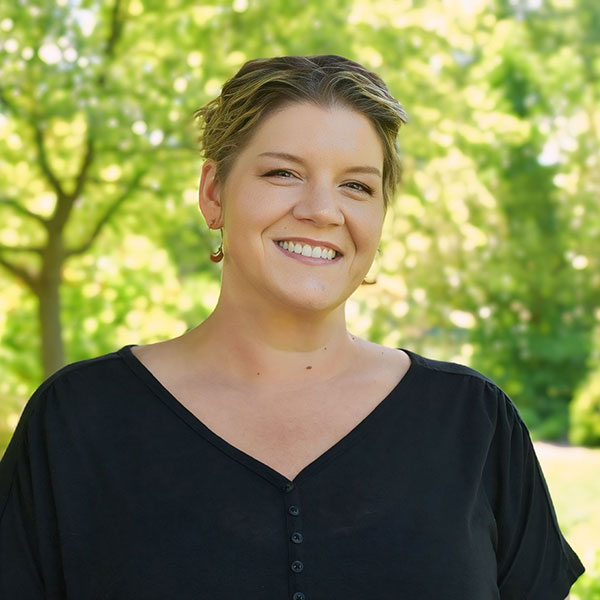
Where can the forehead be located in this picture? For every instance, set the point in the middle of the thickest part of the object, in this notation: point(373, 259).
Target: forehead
point(320, 132)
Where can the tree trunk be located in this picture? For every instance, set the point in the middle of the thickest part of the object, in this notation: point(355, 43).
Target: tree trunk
point(48, 293)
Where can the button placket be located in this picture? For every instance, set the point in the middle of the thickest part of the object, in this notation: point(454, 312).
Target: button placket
point(295, 542)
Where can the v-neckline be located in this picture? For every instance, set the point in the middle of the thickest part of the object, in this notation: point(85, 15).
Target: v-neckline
point(259, 467)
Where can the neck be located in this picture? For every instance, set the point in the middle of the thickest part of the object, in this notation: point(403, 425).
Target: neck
point(256, 343)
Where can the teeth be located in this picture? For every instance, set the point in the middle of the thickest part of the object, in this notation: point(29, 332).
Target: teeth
point(306, 250)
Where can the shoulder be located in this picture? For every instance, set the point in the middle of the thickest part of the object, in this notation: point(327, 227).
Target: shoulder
point(97, 365)
point(79, 401)
point(76, 387)
point(84, 376)
point(436, 371)
point(381, 357)
point(52, 415)
point(447, 369)
point(443, 382)
point(464, 400)
point(451, 375)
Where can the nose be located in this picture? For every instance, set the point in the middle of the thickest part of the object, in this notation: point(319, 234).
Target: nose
point(319, 204)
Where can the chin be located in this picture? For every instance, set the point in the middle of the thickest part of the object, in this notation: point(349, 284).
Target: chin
point(306, 301)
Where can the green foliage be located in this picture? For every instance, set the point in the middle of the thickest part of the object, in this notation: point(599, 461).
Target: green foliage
point(573, 477)
point(490, 256)
point(587, 587)
point(585, 413)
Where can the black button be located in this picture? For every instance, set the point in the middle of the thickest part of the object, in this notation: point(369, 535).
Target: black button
point(297, 566)
point(298, 596)
point(289, 486)
point(294, 510)
point(296, 537)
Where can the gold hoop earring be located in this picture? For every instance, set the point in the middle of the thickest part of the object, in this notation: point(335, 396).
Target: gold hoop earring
point(218, 255)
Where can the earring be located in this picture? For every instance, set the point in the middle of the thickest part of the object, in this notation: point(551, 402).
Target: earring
point(218, 255)
point(364, 281)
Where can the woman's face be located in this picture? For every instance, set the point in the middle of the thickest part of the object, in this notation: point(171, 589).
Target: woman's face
point(310, 176)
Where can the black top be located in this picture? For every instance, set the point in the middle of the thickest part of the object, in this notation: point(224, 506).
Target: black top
point(112, 489)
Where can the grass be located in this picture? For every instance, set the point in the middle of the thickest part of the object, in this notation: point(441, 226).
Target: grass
point(573, 477)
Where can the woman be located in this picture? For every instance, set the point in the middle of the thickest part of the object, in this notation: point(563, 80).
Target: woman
point(268, 453)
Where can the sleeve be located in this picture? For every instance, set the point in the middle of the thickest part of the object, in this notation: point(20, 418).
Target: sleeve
point(30, 564)
point(534, 561)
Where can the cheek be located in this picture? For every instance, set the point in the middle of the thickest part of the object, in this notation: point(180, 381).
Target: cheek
point(249, 211)
point(365, 228)
point(248, 221)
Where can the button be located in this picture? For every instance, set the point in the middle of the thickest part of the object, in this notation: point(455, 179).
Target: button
point(289, 486)
point(298, 596)
point(297, 537)
point(294, 510)
point(297, 566)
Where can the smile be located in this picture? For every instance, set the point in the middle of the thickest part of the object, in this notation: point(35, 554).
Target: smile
point(309, 254)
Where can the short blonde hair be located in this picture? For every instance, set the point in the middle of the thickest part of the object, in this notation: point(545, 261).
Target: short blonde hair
point(263, 85)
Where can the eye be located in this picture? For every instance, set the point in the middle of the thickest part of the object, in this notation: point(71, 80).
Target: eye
point(361, 187)
point(279, 173)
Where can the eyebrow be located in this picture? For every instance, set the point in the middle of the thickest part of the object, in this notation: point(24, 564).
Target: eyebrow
point(297, 159)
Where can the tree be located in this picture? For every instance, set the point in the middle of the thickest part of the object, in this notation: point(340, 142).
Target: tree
point(86, 154)
point(489, 254)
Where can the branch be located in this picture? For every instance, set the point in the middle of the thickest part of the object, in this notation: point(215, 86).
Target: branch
point(60, 216)
point(20, 272)
point(81, 178)
point(110, 211)
point(150, 151)
point(21, 209)
point(140, 187)
point(116, 27)
point(4, 100)
point(64, 203)
point(43, 160)
point(34, 249)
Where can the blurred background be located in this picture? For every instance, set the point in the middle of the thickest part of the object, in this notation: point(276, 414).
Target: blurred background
point(491, 252)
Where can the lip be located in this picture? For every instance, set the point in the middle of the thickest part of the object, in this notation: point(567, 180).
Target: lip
point(310, 242)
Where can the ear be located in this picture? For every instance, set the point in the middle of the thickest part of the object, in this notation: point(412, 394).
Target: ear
point(209, 195)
